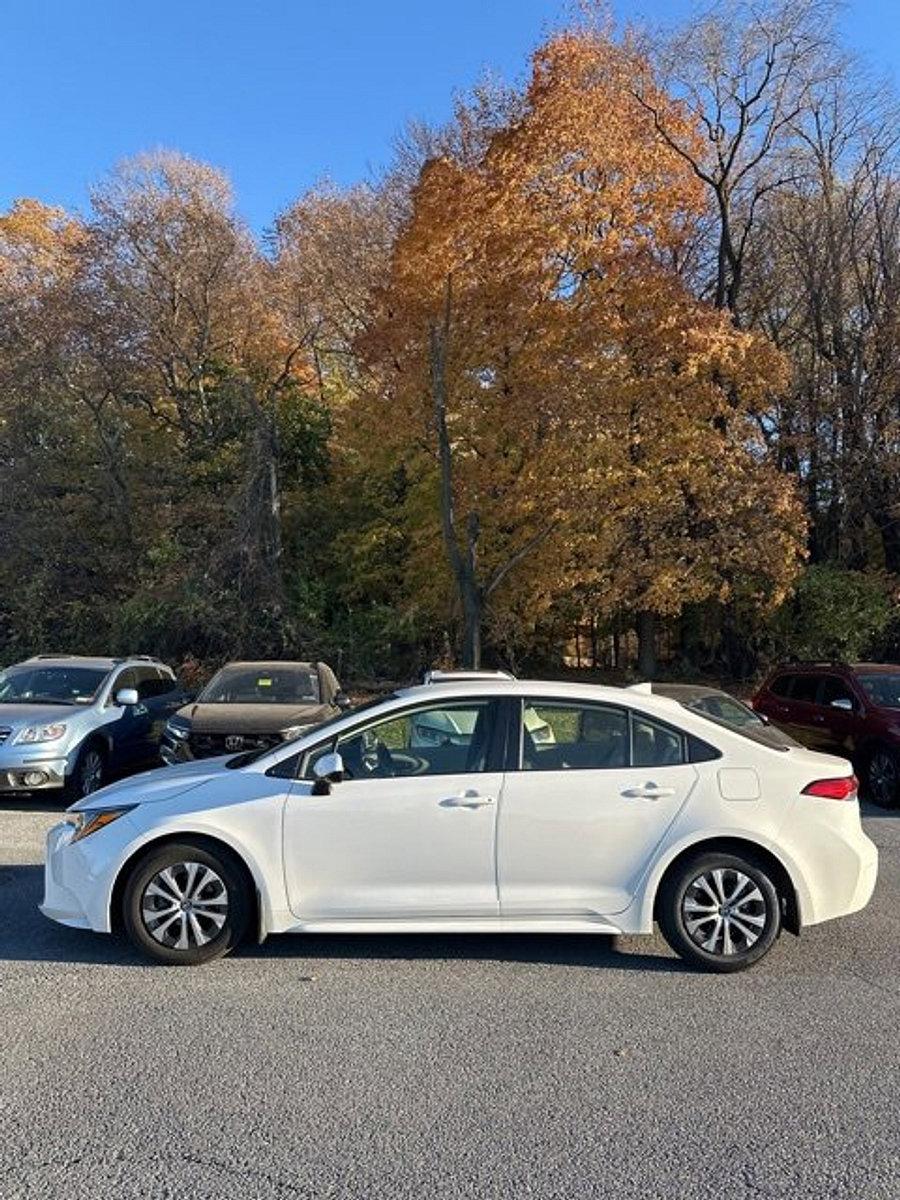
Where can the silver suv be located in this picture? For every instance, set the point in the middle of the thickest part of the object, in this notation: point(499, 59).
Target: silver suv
point(68, 723)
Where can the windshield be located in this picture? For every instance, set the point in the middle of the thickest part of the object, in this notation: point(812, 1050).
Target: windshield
point(262, 685)
point(756, 731)
point(50, 685)
point(883, 688)
point(727, 709)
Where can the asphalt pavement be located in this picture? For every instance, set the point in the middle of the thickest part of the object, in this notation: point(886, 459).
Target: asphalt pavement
point(446, 1067)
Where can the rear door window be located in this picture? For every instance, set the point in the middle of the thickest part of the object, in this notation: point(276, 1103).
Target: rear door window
point(557, 736)
point(806, 689)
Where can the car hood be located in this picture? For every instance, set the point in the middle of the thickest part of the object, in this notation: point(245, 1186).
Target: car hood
point(162, 784)
point(14, 715)
point(252, 718)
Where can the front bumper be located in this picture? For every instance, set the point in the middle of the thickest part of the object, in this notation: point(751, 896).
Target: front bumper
point(173, 750)
point(17, 762)
point(77, 880)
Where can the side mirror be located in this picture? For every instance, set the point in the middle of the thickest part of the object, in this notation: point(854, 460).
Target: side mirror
point(843, 703)
point(329, 769)
point(126, 697)
point(342, 700)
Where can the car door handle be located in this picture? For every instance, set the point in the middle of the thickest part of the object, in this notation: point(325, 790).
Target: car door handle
point(648, 791)
point(467, 800)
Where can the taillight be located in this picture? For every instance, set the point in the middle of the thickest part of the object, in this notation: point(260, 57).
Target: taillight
point(844, 788)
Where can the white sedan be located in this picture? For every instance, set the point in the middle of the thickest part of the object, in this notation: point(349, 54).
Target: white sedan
point(636, 810)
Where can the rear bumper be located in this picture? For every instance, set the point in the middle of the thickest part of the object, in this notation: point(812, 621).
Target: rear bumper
point(841, 867)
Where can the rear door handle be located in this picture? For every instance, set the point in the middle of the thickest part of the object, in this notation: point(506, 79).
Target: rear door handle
point(648, 791)
point(469, 799)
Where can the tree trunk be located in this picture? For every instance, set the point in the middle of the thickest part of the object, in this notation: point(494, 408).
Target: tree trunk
point(646, 633)
point(462, 564)
point(471, 649)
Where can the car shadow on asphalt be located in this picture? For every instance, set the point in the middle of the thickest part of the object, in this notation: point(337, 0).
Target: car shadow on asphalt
point(27, 936)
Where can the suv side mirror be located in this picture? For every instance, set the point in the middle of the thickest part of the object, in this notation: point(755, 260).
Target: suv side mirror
point(342, 700)
point(126, 697)
point(329, 769)
point(843, 703)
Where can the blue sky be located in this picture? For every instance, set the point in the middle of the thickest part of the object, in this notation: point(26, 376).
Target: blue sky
point(279, 93)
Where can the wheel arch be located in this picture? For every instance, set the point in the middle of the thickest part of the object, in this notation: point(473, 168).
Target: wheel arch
point(211, 842)
point(94, 737)
point(788, 892)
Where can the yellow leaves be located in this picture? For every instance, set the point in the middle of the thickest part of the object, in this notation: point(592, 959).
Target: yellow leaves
point(37, 243)
point(585, 389)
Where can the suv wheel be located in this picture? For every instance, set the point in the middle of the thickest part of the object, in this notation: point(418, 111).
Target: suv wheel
point(882, 777)
point(184, 904)
point(720, 912)
point(88, 774)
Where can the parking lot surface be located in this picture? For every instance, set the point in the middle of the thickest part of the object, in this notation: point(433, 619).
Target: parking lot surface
point(427, 1067)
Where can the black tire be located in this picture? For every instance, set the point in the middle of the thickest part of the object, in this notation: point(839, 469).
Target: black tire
point(694, 886)
point(88, 774)
point(882, 777)
point(220, 890)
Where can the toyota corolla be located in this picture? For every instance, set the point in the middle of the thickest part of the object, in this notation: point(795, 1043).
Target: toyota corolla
point(631, 810)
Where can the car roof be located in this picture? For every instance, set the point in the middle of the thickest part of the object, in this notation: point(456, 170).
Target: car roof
point(539, 688)
point(834, 668)
point(91, 661)
point(268, 664)
point(95, 662)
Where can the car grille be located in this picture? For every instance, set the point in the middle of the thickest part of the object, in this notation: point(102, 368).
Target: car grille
point(207, 745)
point(5, 731)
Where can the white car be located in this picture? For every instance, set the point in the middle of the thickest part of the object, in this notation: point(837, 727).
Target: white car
point(637, 810)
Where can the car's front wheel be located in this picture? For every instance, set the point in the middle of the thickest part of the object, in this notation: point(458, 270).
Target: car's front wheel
point(883, 777)
point(88, 773)
point(186, 903)
point(720, 912)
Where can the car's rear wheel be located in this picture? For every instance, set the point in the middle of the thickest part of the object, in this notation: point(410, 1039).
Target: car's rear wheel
point(883, 777)
point(186, 903)
point(720, 912)
point(88, 774)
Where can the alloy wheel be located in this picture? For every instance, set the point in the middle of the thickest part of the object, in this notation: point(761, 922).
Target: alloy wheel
point(724, 911)
point(91, 775)
point(185, 905)
point(883, 778)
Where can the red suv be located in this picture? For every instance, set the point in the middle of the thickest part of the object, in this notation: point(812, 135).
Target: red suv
point(847, 709)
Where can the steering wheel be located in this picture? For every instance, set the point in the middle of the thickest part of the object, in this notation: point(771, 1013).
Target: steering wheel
point(409, 764)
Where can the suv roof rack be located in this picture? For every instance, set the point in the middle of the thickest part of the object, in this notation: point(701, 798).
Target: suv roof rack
point(53, 657)
point(817, 662)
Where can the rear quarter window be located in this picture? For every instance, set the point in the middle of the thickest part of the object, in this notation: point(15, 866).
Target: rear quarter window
point(782, 685)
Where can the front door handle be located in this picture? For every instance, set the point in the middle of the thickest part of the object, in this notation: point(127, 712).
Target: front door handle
point(648, 791)
point(470, 799)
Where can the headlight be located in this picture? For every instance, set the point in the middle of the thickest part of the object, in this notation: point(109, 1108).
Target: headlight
point(181, 732)
point(293, 731)
point(91, 819)
point(41, 733)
